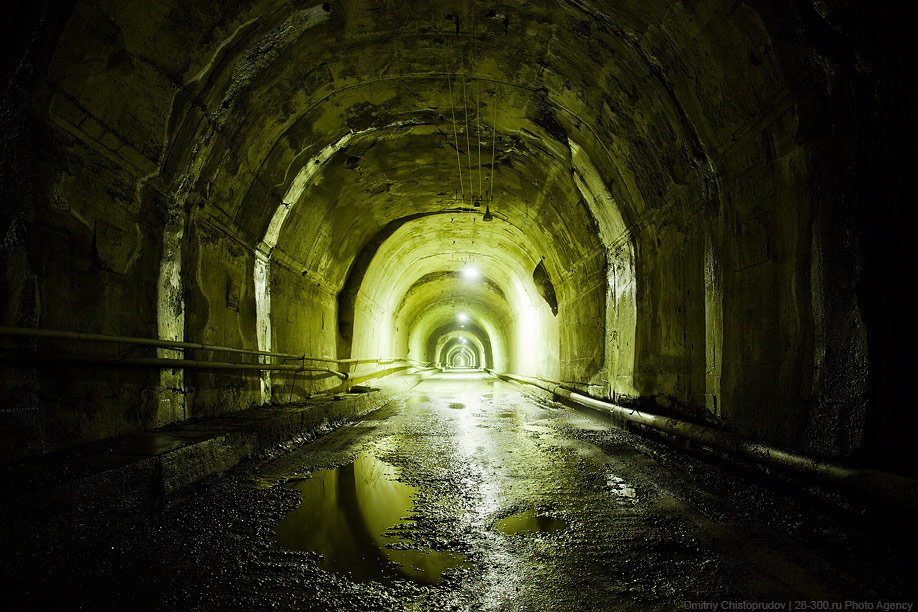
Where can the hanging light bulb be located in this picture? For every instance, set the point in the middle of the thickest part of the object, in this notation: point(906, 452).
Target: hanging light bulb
point(487, 215)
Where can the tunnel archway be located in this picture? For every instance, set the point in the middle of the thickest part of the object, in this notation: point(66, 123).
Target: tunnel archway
point(468, 342)
point(474, 334)
point(460, 357)
point(292, 178)
point(417, 280)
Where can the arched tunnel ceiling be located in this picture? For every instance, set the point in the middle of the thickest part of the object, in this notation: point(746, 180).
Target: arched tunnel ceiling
point(439, 298)
point(537, 208)
point(266, 88)
point(349, 114)
point(554, 71)
point(498, 251)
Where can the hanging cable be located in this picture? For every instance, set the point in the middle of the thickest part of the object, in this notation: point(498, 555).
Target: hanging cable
point(468, 145)
point(452, 109)
point(474, 53)
point(478, 130)
point(493, 144)
point(465, 106)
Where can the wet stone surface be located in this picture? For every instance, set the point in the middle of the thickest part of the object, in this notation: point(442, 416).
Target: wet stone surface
point(508, 503)
point(530, 521)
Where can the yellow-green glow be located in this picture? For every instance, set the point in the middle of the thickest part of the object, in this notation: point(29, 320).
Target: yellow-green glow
point(412, 293)
point(346, 515)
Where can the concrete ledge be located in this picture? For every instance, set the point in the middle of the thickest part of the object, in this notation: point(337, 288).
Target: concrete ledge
point(125, 473)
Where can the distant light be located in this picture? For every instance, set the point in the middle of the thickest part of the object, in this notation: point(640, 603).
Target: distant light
point(470, 273)
point(462, 340)
point(463, 318)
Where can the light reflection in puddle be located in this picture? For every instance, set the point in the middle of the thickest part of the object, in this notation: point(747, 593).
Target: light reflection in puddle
point(528, 522)
point(347, 515)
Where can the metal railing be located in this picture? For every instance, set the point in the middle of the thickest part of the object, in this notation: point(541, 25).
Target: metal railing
point(23, 358)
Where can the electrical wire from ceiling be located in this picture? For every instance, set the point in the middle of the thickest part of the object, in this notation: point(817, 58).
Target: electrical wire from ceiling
point(493, 144)
point(487, 215)
point(465, 103)
point(478, 131)
point(463, 74)
point(481, 199)
point(481, 194)
point(452, 109)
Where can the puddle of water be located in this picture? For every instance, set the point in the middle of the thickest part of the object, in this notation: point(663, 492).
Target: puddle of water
point(456, 405)
point(347, 514)
point(528, 522)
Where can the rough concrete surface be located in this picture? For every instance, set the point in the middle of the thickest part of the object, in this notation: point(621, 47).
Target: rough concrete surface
point(711, 188)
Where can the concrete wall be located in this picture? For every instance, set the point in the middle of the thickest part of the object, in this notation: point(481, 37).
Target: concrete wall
point(694, 176)
point(304, 322)
point(219, 310)
point(581, 322)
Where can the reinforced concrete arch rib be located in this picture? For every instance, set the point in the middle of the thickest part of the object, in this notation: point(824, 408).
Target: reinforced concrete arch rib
point(497, 337)
point(536, 132)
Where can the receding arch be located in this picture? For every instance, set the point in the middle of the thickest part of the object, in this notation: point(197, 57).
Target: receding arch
point(461, 357)
point(480, 338)
point(450, 341)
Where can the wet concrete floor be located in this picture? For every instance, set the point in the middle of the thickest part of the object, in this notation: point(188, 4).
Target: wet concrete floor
point(467, 494)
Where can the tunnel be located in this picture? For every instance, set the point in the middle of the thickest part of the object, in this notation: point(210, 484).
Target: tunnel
point(231, 229)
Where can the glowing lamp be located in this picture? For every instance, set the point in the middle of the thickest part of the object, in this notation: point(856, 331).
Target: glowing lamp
point(470, 273)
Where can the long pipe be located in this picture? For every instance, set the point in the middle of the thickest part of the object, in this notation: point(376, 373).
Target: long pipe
point(34, 332)
point(867, 483)
point(186, 364)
